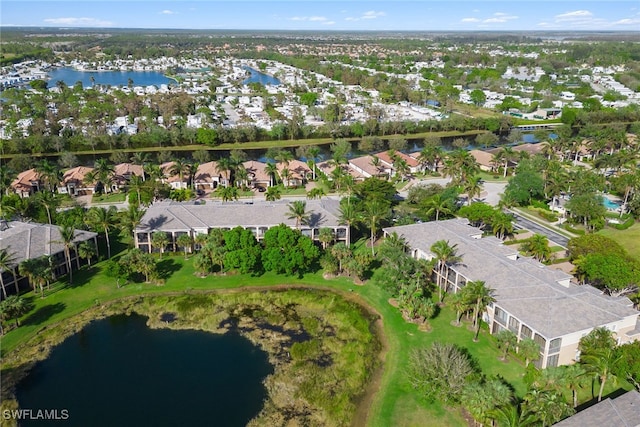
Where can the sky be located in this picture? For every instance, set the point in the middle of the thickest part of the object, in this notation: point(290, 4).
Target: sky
point(346, 15)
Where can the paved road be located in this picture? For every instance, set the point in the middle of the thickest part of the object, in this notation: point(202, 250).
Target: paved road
point(522, 222)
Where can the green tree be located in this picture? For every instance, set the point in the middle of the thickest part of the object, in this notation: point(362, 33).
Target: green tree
point(287, 251)
point(439, 372)
point(506, 340)
point(87, 250)
point(14, 307)
point(243, 251)
point(298, 211)
point(160, 240)
point(445, 254)
point(481, 295)
point(8, 263)
point(102, 219)
point(68, 234)
point(272, 194)
point(185, 242)
point(529, 350)
point(375, 212)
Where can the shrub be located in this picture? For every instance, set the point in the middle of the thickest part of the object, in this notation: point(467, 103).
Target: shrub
point(549, 216)
point(628, 223)
point(540, 205)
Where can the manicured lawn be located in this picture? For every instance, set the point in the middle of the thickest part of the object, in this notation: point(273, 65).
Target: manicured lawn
point(109, 198)
point(395, 404)
point(629, 238)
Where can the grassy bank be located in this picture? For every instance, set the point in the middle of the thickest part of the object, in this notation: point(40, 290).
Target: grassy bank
point(394, 403)
point(628, 239)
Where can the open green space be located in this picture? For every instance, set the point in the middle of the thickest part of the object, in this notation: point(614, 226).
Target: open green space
point(628, 239)
point(395, 403)
point(109, 198)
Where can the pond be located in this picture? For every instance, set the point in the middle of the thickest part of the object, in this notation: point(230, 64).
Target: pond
point(117, 371)
point(258, 77)
point(113, 78)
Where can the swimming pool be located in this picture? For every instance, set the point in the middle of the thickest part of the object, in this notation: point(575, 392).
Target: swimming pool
point(612, 205)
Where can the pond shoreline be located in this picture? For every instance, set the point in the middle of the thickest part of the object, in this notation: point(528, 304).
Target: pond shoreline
point(21, 360)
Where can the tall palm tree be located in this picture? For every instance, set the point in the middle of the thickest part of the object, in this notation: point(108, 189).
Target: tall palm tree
point(429, 157)
point(473, 188)
point(375, 211)
point(135, 184)
point(103, 219)
point(445, 255)
point(507, 155)
point(285, 174)
point(104, 171)
point(8, 263)
point(298, 211)
point(482, 296)
point(185, 241)
point(15, 307)
point(538, 247)
point(67, 235)
point(228, 194)
point(512, 416)
point(36, 270)
point(502, 225)
point(130, 219)
point(272, 170)
point(436, 204)
point(326, 237)
point(180, 167)
point(160, 240)
point(601, 362)
point(87, 250)
point(49, 201)
point(49, 174)
point(348, 215)
point(313, 152)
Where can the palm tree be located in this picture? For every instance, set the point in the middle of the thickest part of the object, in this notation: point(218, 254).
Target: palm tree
point(445, 254)
point(135, 184)
point(507, 155)
point(298, 211)
point(348, 215)
point(512, 416)
point(573, 377)
point(185, 241)
point(14, 307)
point(35, 269)
point(538, 247)
point(326, 237)
point(272, 194)
point(49, 174)
point(436, 204)
point(285, 174)
point(458, 302)
point(375, 211)
point(601, 362)
point(87, 250)
point(180, 167)
point(506, 340)
point(502, 225)
point(429, 157)
point(8, 263)
point(529, 349)
point(313, 153)
point(482, 296)
point(272, 170)
point(130, 219)
point(473, 188)
point(103, 219)
point(49, 201)
point(104, 172)
point(160, 240)
point(68, 234)
point(227, 194)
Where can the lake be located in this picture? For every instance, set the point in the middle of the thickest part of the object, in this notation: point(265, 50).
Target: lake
point(113, 78)
point(117, 371)
point(258, 77)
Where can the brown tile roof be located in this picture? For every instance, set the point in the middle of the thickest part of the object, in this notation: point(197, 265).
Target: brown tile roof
point(257, 170)
point(24, 180)
point(76, 175)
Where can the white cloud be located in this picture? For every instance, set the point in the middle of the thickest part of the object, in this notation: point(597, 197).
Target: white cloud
point(469, 20)
point(79, 22)
point(329, 23)
point(309, 18)
point(627, 21)
point(499, 18)
point(372, 14)
point(167, 12)
point(572, 16)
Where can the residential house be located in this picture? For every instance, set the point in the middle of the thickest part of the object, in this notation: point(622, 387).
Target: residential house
point(31, 240)
point(258, 176)
point(123, 172)
point(77, 182)
point(388, 161)
point(299, 173)
point(190, 218)
point(175, 181)
point(532, 300)
point(365, 166)
point(209, 177)
point(27, 183)
point(485, 160)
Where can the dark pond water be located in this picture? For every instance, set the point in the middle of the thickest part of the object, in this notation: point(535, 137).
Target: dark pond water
point(258, 77)
point(118, 372)
point(113, 78)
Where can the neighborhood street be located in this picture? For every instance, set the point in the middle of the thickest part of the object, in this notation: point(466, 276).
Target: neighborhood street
point(522, 222)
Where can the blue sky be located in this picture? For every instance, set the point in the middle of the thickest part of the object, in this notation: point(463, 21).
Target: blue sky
point(416, 15)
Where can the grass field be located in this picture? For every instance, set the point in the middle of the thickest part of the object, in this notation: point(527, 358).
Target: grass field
point(629, 238)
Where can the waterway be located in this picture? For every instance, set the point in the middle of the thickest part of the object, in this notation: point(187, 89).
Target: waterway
point(113, 78)
point(119, 372)
point(258, 77)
